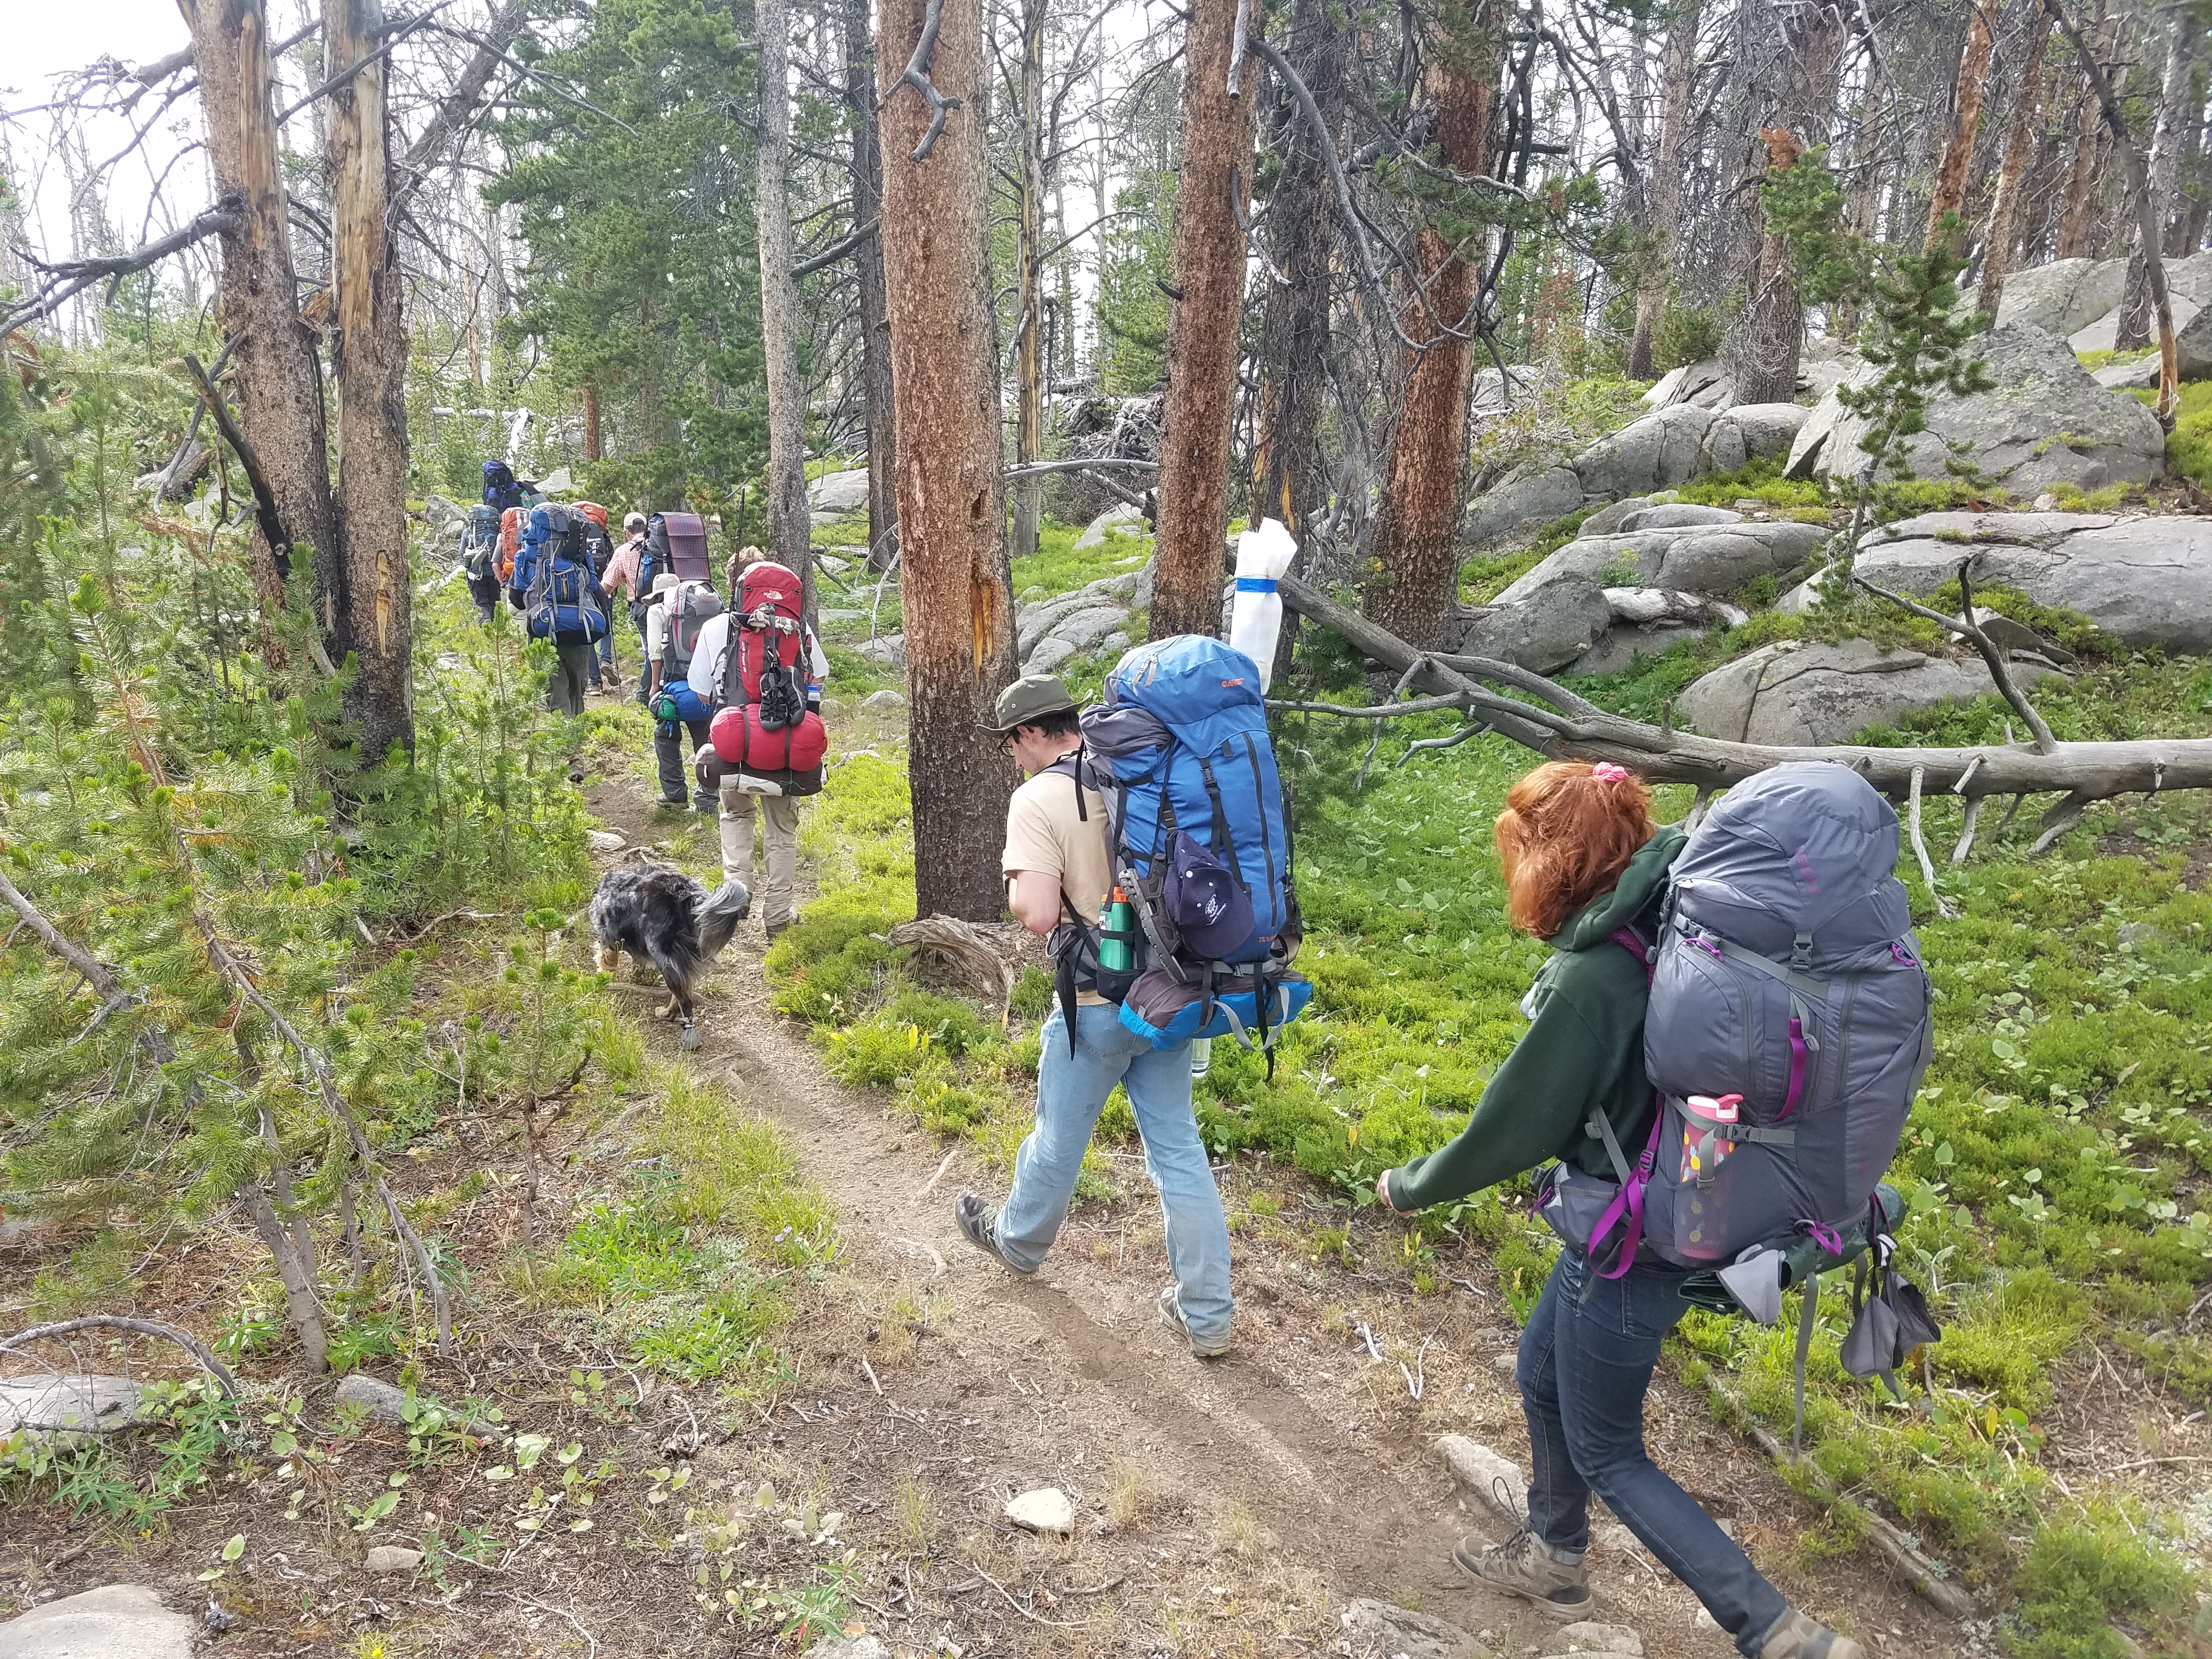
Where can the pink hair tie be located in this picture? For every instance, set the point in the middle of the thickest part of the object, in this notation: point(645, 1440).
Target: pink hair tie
point(1606, 772)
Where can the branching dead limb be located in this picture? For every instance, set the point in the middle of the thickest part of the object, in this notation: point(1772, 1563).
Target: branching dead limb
point(184, 1340)
point(837, 251)
point(64, 282)
point(1992, 654)
point(1244, 223)
point(916, 74)
point(1571, 728)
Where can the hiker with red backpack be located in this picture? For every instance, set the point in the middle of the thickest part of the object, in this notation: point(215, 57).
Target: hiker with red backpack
point(760, 665)
point(675, 612)
point(1721, 1055)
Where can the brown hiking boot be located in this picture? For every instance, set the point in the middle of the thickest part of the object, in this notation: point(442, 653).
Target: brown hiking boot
point(1522, 1566)
point(1796, 1636)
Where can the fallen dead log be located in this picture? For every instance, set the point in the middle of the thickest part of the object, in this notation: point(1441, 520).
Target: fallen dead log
point(1565, 726)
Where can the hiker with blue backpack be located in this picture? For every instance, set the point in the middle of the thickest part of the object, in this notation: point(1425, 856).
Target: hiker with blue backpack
point(1721, 1054)
point(553, 587)
point(1150, 845)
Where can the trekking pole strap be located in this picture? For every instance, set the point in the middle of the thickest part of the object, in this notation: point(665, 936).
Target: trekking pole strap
point(1807, 1318)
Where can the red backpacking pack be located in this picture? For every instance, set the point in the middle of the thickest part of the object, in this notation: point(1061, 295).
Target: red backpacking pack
point(766, 729)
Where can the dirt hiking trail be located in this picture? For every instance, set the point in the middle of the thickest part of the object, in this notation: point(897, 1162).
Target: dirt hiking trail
point(1225, 1507)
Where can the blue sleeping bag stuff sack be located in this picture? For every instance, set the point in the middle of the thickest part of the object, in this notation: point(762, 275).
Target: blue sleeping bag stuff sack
point(1181, 748)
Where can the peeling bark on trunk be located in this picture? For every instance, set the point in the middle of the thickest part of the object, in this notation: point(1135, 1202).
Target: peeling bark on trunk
point(2011, 176)
point(1958, 157)
point(2078, 225)
point(1414, 590)
point(1208, 262)
point(1029, 286)
point(789, 533)
point(1677, 79)
point(868, 270)
point(370, 356)
point(956, 600)
point(279, 386)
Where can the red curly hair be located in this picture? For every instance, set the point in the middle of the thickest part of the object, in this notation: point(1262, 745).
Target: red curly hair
point(1568, 830)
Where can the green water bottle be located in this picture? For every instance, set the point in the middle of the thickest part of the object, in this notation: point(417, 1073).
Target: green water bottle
point(1115, 917)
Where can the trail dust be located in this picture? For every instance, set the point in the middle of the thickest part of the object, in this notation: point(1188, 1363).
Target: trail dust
point(1225, 1507)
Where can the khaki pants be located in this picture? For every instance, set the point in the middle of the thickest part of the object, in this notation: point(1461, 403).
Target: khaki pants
point(778, 897)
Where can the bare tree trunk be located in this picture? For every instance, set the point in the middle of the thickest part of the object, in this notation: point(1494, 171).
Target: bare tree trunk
point(2078, 225)
point(1958, 157)
point(957, 604)
point(2011, 175)
point(592, 447)
point(1289, 481)
point(280, 394)
point(299, 1301)
point(457, 107)
point(789, 533)
point(1029, 286)
point(868, 269)
point(2180, 110)
point(369, 355)
point(1415, 589)
point(1767, 339)
point(1677, 81)
point(1208, 261)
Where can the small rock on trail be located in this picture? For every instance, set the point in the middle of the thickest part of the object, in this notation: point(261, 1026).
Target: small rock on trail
point(116, 1621)
point(1380, 1630)
point(605, 840)
point(1047, 1508)
point(1594, 1639)
point(1491, 1476)
point(391, 1557)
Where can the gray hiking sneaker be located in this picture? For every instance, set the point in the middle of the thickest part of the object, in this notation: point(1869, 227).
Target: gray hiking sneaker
point(1172, 1315)
point(1796, 1636)
point(1522, 1566)
point(979, 1224)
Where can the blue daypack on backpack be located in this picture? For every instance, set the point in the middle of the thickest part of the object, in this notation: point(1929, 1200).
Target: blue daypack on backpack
point(552, 581)
point(501, 491)
point(1199, 838)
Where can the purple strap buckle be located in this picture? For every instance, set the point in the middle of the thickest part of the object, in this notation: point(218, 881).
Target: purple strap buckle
point(1628, 1204)
point(1824, 1236)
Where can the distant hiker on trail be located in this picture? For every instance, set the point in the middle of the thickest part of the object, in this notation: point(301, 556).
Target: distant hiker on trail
point(1057, 863)
point(552, 586)
point(1631, 915)
point(675, 611)
point(601, 548)
point(763, 670)
point(626, 577)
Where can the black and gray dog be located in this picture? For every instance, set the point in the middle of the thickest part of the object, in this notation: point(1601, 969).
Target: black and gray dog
point(664, 917)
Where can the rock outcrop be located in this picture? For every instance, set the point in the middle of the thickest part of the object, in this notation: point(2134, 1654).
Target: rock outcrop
point(839, 493)
point(1793, 693)
point(2045, 421)
point(2145, 579)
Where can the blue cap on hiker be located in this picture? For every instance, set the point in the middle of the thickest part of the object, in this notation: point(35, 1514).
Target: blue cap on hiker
point(1207, 904)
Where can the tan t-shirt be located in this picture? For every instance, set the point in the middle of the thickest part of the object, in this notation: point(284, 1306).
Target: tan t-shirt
point(1044, 834)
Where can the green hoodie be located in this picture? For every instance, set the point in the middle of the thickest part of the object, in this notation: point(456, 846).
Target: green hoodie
point(1584, 1051)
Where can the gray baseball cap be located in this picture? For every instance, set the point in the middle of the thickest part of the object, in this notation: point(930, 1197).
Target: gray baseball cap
point(1028, 699)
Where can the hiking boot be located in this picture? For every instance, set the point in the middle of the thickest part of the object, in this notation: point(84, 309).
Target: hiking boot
point(1171, 1314)
point(979, 1224)
point(1522, 1566)
point(1796, 1636)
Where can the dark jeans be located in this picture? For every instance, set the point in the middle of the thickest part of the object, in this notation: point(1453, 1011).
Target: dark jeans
point(1585, 1366)
point(668, 748)
point(606, 651)
point(565, 695)
point(644, 663)
point(484, 590)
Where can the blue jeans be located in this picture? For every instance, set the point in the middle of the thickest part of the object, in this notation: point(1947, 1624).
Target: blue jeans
point(1072, 1090)
point(1586, 1361)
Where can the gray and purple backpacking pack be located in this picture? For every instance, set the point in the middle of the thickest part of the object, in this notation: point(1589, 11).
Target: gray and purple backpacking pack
point(1785, 975)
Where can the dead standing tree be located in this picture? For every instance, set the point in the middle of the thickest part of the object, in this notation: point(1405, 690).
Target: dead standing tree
point(280, 393)
point(1220, 91)
point(369, 352)
point(789, 528)
point(957, 595)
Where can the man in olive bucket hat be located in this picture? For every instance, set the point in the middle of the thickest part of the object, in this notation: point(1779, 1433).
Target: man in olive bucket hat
point(1059, 868)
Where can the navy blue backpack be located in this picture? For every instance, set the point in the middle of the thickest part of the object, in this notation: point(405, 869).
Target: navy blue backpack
point(1195, 806)
point(501, 491)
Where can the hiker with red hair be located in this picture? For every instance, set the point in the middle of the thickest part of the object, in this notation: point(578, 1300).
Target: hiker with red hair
point(1586, 871)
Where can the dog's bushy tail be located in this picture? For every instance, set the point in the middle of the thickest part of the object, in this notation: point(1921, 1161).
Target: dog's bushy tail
point(719, 915)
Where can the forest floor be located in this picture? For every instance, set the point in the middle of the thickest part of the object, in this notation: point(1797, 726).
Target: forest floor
point(859, 1480)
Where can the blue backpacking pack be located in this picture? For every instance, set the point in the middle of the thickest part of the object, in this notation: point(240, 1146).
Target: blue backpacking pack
point(552, 577)
point(501, 491)
point(1181, 748)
